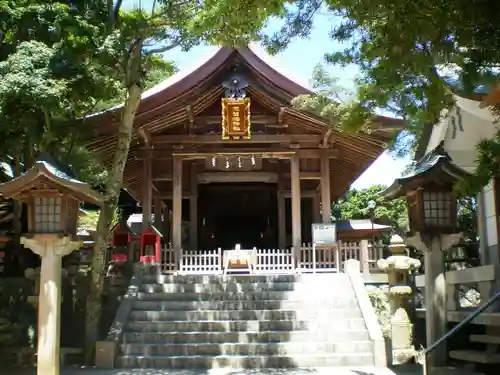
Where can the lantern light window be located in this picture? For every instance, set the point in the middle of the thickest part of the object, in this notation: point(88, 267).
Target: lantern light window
point(438, 208)
point(47, 214)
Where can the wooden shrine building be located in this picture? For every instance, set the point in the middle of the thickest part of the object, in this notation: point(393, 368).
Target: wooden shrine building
point(222, 148)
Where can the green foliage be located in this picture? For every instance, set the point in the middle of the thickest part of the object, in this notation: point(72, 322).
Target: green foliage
point(382, 307)
point(16, 315)
point(330, 100)
point(487, 166)
point(355, 206)
point(404, 51)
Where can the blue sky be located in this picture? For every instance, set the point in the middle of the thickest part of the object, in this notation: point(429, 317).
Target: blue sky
point(300, 58)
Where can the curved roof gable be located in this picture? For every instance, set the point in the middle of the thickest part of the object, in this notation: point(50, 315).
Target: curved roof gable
point(211, 63)
point(208, 64)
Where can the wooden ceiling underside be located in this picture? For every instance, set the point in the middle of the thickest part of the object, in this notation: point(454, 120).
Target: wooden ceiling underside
point(196, 110)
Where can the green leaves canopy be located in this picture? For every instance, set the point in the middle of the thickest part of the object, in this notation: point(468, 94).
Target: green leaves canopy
point(355, 206)
point(404, 50)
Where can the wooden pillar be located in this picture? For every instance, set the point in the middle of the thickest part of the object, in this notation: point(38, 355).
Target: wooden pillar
point(177, 208)
point(193, 209)
point(157, 212)
point(296, 216)
point(147, 194)
point(165, 228)
point(326, 203)
point(281, 208)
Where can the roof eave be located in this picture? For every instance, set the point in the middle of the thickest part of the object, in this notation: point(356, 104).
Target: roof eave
point(10, 189)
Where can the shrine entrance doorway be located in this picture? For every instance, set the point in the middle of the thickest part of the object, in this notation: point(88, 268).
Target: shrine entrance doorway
point(238, 213)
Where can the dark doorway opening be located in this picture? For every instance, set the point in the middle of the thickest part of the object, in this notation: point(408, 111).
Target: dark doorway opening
point(238, 213)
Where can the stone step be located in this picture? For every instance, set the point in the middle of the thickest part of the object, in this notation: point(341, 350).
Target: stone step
point(217, 326)
point(326, 304)
point(233, 287)
point(218, 279)
point(340, 334)
point(333, 314)
point(238, 296)
point(475, 356)
point(485, 339)
point(451, 370)
point(238, 325)
point(245, 362)
point(281, 349)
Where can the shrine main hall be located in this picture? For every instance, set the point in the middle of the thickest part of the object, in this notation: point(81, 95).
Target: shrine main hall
point(221, 154)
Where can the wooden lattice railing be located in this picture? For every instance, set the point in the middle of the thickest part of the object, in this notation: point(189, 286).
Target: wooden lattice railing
point(272, 261)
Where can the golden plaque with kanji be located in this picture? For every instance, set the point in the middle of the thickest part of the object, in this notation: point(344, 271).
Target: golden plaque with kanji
point(235, 118)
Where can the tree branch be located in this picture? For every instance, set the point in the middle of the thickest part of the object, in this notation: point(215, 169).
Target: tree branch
point(166, 48)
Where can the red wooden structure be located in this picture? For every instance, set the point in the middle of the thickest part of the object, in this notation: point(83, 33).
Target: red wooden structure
point(150, 245)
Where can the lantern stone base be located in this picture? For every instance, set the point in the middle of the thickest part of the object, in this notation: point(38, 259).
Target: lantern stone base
point(51, 248)
point(436, 319)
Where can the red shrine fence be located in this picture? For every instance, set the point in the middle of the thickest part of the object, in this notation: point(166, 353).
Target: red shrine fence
point(279, 261)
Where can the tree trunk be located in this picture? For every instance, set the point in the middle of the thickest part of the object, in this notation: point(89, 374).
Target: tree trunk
point(113, 187)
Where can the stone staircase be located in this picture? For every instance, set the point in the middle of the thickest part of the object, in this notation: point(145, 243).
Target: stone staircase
point(285, 321)
point(489, 356)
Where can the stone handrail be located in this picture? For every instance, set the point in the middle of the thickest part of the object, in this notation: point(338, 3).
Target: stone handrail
point(352, 268)
point(107, 350)
point(484, 276)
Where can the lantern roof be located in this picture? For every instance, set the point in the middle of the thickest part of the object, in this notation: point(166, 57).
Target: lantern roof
point(436, 168)
point(43, 171)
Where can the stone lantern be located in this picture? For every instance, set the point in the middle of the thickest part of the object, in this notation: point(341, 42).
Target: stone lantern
point(398, 268)
point(397, 245)
point(52, 199)
point(432, 210)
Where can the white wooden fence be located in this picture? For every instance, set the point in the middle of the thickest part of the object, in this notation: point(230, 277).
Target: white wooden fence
point(275, 261)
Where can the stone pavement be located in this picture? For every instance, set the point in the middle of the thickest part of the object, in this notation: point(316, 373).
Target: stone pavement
point(406, 370)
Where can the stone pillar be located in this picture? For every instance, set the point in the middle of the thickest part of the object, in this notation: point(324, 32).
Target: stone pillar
point(436, 314)
point(398, 267)
point(177, 208)
point(51, 249)
point(326, 203)
point(193, 209)
point(296, 215)
point(147, 193)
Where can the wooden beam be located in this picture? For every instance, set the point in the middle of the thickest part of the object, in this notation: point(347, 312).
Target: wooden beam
point(274, 152)
point(254, 119)
point(306, 175)
point(253, 175)
point(303, 193)
point(285, 193)
point(256, 138)
point(266, 177)
point(170, 195)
